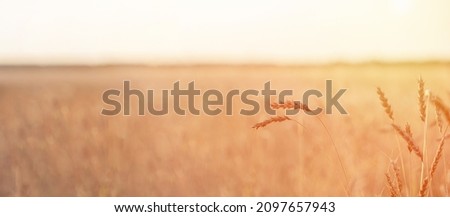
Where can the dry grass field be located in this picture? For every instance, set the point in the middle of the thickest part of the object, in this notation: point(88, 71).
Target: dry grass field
point(55, 142)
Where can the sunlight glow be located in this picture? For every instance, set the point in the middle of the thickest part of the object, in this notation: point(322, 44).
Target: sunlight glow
point(233, 31)
point(401, 7)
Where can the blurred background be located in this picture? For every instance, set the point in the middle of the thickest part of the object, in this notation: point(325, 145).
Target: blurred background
point(58, 57)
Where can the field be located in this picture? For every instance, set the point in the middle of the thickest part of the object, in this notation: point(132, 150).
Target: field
point(55, 142)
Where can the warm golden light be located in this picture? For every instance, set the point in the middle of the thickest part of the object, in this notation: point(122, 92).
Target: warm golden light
point(402, 7)
point(230, 32)
point(224, 98)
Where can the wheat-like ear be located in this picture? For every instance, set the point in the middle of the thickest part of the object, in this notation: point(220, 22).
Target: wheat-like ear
point(411, 145)
point(421, 96)
point(440, 107)
point(385, 104)
point(271, 120)
point(424, 187)
point(391, 185)
point(439, 119)
point(398, 178)
point(443, 108)
point(437, 157)
point(290, 105)
point(409, 133)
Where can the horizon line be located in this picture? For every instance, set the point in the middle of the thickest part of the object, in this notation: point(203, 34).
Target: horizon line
point(229, 64)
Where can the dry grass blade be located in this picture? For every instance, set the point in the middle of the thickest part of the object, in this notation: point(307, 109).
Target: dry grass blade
point(409, 141)
point(385, 104)
point(271, 120)
point(290, 105)
point(391, 186)
point(421, 93)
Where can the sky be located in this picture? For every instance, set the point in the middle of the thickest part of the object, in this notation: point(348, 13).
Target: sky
point(231, 31)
